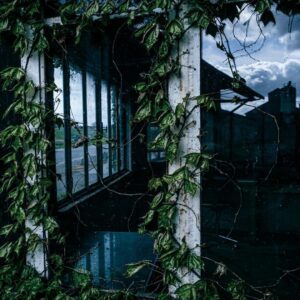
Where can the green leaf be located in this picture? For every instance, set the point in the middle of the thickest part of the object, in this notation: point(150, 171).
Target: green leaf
point(140, 87)
point(175, 28)
point(159, 96)
point(187, 292)
point(152, 37)
point(143, 112)
point(157, 200)
point(179, 111)
point(170, 277)
point(5, 250)
point(42, 43)
point(136, 267)
point(167, 121)
point(162, 69)
point(190, 187)
point(203, 21)
point(262, 5)
point(8, 229)
point(193, 158)
point(3, 24)
point(171, 150)
point(166, 214)
point(93, 9)
point(194, 262)
point(148, 217)
point(155, 183)
point(163, 49)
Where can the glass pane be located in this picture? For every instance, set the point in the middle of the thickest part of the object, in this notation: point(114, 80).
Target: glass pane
point(59, 136)
point(250, 195)
point(154, 154)
point(77, 134)
point(104, 113)
point(91, 123)
point(114, 136)
point(105, 255)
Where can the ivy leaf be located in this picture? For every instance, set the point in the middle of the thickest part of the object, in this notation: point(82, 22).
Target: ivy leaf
point(140, 87)
point(190, 187)
point(155, 183)
point(12, 73)
point(163, 49)
point(3, 24)
point(166, 215)
point(5, 250)
point(162, 69)
point(159, 96)
point(148, 217)
point(152, 37)
point(136, 267)
point(179, 111)
point(171, 150)
point(203, 21)
point(8, 229)
point(167, 121)
point(262, 5)
point(41, 43)
point(175, 28)
point(212, 30)
point(93, 9)
point(143, 112)
point(50, 224)
point(267, 17)
point(170, 277)
point(187, 292)
point(194, 262)
point(157, 200)
point(193, 158)
point(237, 290)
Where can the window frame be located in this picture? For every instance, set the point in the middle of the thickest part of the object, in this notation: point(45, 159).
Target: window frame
point(121, 109)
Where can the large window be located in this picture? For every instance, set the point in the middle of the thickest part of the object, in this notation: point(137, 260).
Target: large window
point(90, 148)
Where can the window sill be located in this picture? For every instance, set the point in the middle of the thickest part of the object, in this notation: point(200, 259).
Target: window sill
point(65, 205)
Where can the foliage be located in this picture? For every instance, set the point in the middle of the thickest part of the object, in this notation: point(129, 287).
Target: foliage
point(26, 180)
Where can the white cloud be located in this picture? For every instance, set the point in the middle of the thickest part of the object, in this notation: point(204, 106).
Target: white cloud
point(276, 63)
point(267, 75)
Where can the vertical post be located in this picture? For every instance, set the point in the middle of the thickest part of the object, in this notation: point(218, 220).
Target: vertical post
point(35, 64)
point(187, 222)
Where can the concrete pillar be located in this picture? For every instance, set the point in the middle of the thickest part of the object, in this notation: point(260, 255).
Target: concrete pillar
point(188, 82)
point(36, 72)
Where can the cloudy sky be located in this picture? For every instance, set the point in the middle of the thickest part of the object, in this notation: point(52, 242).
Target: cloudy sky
point(275, 59)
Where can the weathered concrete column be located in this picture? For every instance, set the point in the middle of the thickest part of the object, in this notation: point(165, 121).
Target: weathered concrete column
point(35, 67)
point(188, 82)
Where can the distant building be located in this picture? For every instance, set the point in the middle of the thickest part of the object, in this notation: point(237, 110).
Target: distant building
point(283, 100)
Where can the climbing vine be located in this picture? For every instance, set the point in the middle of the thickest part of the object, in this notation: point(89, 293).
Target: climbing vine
point(26, 180)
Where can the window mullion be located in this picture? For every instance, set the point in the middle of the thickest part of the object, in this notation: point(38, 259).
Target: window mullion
point(85, 130)
point(118, 137)
point(99, 126)
point(106, 73)
point(67, 128)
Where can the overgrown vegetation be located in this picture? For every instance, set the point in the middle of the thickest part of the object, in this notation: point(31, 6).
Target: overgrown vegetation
point(26, 180)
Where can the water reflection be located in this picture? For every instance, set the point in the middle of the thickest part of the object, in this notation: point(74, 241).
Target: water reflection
point(105, 255)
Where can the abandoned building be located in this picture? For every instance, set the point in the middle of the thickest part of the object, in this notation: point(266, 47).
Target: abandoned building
point(249, 197)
